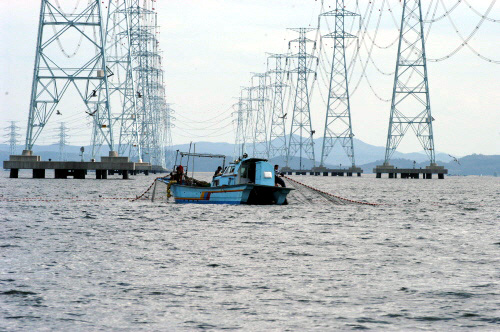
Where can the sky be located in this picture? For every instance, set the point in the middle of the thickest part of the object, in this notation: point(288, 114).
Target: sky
point(211, 47)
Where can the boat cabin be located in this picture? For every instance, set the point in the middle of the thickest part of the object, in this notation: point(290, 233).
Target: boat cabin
point(249, 170)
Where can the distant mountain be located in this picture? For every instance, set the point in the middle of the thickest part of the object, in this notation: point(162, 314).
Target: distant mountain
point(367, 157)
point(226, 149)
point(475, 164)
point(364, 153)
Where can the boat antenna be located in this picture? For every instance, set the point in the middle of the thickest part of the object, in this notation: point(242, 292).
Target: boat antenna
point(189, 153)
point(194, 152)
point(176, 155)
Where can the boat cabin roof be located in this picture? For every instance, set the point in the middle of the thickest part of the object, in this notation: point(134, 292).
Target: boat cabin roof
point(248, 160)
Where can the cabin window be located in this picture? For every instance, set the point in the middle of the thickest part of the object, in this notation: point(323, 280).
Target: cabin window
point(268, 175)
point(247, 171)
point(244, 171)
point(229, 170)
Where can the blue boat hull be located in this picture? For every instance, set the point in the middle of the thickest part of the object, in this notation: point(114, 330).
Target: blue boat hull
point(235, 194)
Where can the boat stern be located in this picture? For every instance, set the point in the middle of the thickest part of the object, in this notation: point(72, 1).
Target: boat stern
point(280, 195)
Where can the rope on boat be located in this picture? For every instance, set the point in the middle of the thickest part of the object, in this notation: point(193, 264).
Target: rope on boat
point(331, 195)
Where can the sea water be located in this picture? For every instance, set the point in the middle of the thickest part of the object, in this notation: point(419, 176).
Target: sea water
point(76, 256)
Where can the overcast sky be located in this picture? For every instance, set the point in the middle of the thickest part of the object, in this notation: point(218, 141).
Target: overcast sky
point(211, 47)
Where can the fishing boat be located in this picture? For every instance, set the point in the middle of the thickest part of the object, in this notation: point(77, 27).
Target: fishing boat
point(245, 181)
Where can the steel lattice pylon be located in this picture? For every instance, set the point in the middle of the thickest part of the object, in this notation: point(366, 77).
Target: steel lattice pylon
point(53, 75)
point(121, 79)
point(338, 126)
point(13, 137)
point(410, 105)
point(277, 137)
point(249, 121)
point(301, 120)
point(169, 118)
point(260, 144)
point(149, 85)
point(240, 126)
point(62, 141)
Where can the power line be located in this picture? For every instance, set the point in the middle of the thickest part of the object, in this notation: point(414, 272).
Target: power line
point(465, 41)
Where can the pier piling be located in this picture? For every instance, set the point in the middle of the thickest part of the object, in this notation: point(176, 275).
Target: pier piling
point(38, 174)
point(14, 173)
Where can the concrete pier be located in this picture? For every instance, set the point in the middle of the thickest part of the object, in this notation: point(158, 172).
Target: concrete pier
point(410, 173)
point(76, 169)
point(317, 171)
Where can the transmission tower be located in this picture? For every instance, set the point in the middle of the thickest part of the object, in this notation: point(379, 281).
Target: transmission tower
point(150, 91)
point(56, 70)
point(243, 118)
point(410, 105)
point(277, 137)
point(169, 118)
point(62, 136)
point(13, 137)
point(260, 144)
point(301, 134)
point(121, 80)
point(240, 126)
point(249, 121)
point(338, 126)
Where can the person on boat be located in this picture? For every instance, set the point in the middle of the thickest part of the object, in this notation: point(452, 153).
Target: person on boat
point(179, 174)
point(277, 177)
point(218, 172)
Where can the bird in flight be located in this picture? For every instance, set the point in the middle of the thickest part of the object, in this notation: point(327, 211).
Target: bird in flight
point(58, 113)
point(284, 116)
point(91, 113)
point(455, 159)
